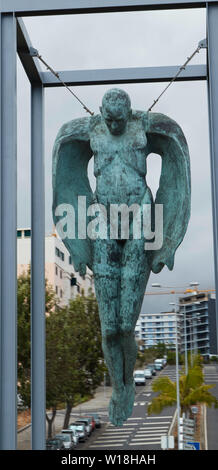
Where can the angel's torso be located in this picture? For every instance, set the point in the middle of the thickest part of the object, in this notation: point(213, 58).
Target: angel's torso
point(119, 163)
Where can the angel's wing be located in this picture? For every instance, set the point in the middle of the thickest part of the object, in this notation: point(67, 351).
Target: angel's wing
point(71, 154)
point(166, 138)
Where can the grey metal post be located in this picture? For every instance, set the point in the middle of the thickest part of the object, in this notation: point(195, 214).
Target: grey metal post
point(212, 27)
point(38, 269)
point(8, 419)
point(177, 382)
point(186, 352)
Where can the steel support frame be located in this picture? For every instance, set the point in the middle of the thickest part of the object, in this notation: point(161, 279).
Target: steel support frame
point(8, 417)
point(9, 11)
point(70, 7)
point(212, 61)
point(38, 354)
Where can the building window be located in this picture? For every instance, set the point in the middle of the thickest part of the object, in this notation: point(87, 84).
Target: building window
point(60, 274)
point(57, 252)
point(56, 289)
point(56, 270)
point(73, 281)
point(62, 256)
point(61, 293)
point(70, 260)
point(19, 233)
point(27, 233)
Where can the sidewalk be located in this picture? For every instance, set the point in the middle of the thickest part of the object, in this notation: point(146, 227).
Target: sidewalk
point(99, 402)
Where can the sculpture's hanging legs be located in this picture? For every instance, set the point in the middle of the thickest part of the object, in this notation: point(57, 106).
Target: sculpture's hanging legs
point(120, 295)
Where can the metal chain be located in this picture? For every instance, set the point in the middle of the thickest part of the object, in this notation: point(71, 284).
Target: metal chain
point(35, 53)
point(201, 45)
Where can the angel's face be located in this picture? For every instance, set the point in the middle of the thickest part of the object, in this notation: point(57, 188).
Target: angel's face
point(115, 117)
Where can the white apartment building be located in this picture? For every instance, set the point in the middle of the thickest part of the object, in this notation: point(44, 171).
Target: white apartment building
point(59, 270)
point(155, 328)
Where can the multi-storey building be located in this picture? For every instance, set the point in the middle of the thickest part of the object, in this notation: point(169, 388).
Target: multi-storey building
point(59, 270)
point(154, 328)
point(198, 323)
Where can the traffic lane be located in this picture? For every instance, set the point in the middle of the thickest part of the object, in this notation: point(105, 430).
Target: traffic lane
point(140, 431)
point(149, 431)
point(211, 377)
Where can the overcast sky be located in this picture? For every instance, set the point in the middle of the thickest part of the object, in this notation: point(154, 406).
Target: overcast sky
point(128, 40)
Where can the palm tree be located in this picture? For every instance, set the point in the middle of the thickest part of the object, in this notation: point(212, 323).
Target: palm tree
point(192, 390)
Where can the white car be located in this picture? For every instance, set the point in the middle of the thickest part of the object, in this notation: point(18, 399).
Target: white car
point(67, 440)
point(139, 377)
point(148, 373)
point(73, 433)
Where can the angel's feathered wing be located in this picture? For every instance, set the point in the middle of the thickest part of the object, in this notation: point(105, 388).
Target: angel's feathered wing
point(71, 154)
point(166, 138)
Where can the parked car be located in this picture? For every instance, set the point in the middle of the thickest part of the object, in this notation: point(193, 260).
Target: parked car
point(97, 419)
point(148, 373)
point(81, 430)
point(152, 367)
point(158, 366)
point(54, 444)
point(20, 403)
point(87, 423)
point(92, 421)
point(159, 362)
point(67, 440)
point(74, 435)
point(139, 377)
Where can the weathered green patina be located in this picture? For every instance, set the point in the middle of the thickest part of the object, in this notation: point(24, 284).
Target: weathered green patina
point(120, 140)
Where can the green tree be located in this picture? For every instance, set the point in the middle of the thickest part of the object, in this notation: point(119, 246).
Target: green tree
point(161, 350)
point(192, 390)
point(54, 396)
point(82, 361)
point(24, 329)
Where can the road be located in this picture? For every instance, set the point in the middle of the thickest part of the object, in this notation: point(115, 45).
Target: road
point(211, 377)
point(140, 431)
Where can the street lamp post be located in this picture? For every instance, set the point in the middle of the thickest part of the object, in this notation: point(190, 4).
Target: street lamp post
point(192, 322)
point(177, 377)
point(177, 371)
point(185, 340)
point(192, 284)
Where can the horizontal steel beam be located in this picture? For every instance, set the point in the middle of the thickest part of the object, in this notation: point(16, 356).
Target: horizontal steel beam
point(64, 7)
point(31, 65)
point(125, 75)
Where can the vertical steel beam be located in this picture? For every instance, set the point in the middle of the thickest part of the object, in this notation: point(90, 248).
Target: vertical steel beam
point(38, 268)
point(212, 61)
point(8, 419)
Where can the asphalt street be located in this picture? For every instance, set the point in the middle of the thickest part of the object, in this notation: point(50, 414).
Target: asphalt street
point(140, 431)
point(211, 377)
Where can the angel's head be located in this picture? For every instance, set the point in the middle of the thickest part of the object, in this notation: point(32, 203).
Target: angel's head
point(116, 110)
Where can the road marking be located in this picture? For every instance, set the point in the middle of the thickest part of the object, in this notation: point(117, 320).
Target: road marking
point(158, 417)
point(119, 430)
point(108, 445)
point(149, 435)
point(153, 423)
point(146, 439)
point(152, 432)
point(140, 403)
point(161, 428)
point(144, 443)
point(111, 435)
point(133, 418)
point(103, 441)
